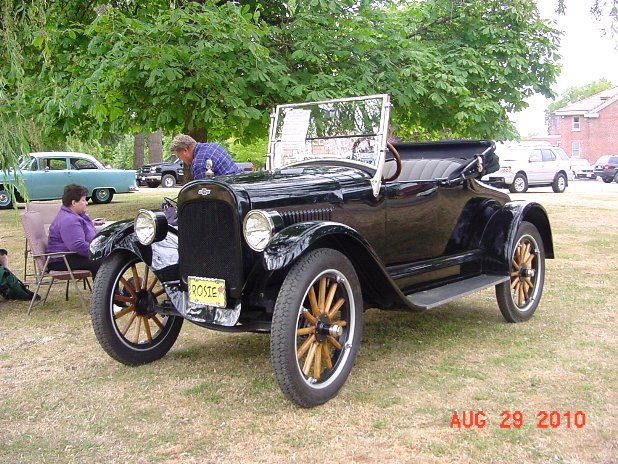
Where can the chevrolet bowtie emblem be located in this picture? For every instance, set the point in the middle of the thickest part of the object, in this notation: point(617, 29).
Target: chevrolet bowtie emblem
point(203, 191)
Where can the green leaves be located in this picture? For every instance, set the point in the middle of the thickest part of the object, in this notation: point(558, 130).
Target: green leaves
point(222, 66)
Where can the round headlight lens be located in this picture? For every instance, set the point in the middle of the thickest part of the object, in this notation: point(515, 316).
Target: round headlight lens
point(145, 226)
point(258, 229)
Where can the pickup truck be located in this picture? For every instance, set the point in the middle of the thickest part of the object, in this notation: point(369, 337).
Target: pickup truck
point(169, 172)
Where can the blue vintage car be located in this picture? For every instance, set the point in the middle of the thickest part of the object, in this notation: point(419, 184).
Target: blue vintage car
point(45, 175)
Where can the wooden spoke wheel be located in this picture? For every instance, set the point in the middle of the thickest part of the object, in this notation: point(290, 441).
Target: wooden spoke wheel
point(125, 298)
point(519, 297)
point(316, 327)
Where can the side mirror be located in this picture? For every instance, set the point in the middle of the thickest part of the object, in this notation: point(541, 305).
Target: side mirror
point(534, 158)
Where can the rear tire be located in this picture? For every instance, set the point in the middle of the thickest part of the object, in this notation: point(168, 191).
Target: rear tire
point(519, 297)
point(519, 184)
point(559, 184)
point(616, 177)
point(102, 196)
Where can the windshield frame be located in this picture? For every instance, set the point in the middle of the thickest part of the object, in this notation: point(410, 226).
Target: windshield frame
point(378, 135)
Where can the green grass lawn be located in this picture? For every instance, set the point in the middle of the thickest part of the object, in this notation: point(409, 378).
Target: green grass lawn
point(213, 398)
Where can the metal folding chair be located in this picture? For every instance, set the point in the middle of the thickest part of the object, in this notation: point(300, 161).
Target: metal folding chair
point(37, 242)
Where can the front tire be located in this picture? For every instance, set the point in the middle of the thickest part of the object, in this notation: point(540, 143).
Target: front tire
point(519, 185)
point(123, 312)
point(6, 198)
point(168, 181)
point(519, 297)
point(102, 196)
point(316, 327)
point(607, 180)
point(559, 184)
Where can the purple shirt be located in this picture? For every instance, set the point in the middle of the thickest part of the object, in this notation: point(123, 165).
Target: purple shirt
point(70, 232)
point(222, 162)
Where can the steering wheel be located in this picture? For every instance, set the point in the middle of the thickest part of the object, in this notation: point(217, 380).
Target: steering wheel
point(397, 159)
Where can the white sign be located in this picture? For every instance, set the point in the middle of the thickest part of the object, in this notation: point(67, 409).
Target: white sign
point(295, 127)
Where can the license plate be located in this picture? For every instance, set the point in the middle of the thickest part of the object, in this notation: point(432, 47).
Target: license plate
point(207, 292)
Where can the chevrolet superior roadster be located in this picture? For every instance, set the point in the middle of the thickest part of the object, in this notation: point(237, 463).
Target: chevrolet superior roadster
point(340, 221)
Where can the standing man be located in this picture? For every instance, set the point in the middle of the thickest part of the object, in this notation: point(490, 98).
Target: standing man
point(195, 155)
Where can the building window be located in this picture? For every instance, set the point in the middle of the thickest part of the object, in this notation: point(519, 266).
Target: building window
point(576, 123)
point(575, 150)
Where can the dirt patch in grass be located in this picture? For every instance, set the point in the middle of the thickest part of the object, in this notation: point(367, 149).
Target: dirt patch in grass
point(213, 398)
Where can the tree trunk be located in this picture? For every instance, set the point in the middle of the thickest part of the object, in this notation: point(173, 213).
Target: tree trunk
point(155, 147)
point(200, 134)
point(138, 151)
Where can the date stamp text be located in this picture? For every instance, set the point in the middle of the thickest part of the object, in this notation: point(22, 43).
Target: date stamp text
point(515, 419)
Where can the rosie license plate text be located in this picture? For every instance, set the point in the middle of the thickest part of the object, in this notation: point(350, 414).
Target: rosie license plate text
point(207, 292)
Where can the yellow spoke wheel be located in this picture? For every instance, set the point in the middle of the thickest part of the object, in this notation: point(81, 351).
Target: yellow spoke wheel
point(316, 327)
point(126, 298)
point(519, 297)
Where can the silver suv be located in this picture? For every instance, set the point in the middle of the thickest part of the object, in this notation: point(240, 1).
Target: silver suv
point(523, 166)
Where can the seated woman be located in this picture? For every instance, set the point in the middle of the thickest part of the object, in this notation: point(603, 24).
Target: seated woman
point(72, 230)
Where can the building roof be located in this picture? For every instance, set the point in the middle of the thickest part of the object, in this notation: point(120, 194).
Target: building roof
point(590, 106)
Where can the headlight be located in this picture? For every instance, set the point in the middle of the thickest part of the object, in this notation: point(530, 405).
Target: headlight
point(150, 227)
point(259, 227)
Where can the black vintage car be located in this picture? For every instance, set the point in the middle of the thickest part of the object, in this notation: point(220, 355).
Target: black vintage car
point(340, 221)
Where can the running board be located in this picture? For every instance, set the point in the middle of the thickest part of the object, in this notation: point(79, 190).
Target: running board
point(429, 299)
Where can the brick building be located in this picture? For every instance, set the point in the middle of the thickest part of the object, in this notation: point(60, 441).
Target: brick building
point(588, 128)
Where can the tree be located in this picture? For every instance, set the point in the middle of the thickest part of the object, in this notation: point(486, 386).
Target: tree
point(453, 67)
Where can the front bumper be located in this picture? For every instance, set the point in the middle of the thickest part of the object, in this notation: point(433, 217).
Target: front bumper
point(498, 182)
point(585, 175)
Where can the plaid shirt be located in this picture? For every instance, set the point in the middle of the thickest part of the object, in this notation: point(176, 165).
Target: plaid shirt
point(222, 163)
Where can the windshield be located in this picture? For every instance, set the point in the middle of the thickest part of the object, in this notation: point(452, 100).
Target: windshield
point(351, 129)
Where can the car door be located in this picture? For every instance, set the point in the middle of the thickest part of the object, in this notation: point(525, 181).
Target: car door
point(549, 165)
point(419, 221)
point(534, 172)
point(85, 172)
point(47, 181)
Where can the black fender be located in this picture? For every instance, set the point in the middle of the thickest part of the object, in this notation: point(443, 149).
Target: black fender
point(501, 233)
point(377, 286)
point(161, 257)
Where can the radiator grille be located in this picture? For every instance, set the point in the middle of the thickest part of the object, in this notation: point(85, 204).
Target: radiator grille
point(209, 242)
point(317, 214)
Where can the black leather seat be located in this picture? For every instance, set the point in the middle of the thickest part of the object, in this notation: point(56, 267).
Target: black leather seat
point(424, 169)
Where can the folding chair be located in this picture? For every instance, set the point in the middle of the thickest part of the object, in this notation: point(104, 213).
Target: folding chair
point(48, 211)
point(37, 241)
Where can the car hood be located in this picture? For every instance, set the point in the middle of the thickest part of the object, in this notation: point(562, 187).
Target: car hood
point(150, 165)
point(291, 186)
